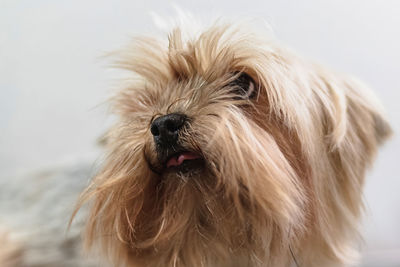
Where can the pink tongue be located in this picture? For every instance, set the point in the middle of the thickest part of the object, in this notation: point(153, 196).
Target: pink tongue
point(180, 158)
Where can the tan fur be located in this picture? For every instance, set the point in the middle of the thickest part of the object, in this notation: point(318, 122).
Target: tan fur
point(10, 252)
point(283, 172)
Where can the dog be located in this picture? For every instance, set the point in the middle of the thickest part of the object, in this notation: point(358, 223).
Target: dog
point(230, 150)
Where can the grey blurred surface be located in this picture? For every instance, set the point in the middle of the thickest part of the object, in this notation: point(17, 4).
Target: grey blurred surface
point(52, 79)
point(36, 208)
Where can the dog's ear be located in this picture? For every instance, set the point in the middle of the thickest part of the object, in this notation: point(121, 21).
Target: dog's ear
point(353, 118)
point(352, 124)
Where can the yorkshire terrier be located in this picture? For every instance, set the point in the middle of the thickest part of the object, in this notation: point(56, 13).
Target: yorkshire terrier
point(230, 150)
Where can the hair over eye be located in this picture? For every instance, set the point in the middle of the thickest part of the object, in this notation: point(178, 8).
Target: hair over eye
point(243, 86)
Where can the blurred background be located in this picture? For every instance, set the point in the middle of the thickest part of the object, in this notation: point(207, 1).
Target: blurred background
point(53, 82)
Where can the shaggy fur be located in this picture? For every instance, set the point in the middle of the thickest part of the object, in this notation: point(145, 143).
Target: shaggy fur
point(10, 252)
point(283, 171)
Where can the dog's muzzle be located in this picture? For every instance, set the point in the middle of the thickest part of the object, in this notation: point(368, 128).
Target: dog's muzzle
point(171, 154)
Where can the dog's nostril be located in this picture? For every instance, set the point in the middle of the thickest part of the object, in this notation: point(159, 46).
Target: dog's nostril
point(154, 130)
point(172, 126)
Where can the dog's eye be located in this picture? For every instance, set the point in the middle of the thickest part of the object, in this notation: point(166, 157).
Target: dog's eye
point(243, 86)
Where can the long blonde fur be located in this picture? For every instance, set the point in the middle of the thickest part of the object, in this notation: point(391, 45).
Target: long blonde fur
point(283, 172)
point(11, 252)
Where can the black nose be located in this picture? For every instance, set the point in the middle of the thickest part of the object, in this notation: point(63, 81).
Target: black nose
point(165, 128)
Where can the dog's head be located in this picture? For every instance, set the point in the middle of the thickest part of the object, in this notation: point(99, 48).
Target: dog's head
point(229, 147)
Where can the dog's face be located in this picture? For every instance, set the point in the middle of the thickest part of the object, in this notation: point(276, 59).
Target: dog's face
point(230, 150)
point(186, 119)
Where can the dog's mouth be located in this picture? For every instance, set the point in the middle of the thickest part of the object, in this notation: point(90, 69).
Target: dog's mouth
point(175, 161)
point(184, 162)
point(178, 159)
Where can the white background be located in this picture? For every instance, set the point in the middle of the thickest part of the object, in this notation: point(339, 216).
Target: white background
point(52, 78)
